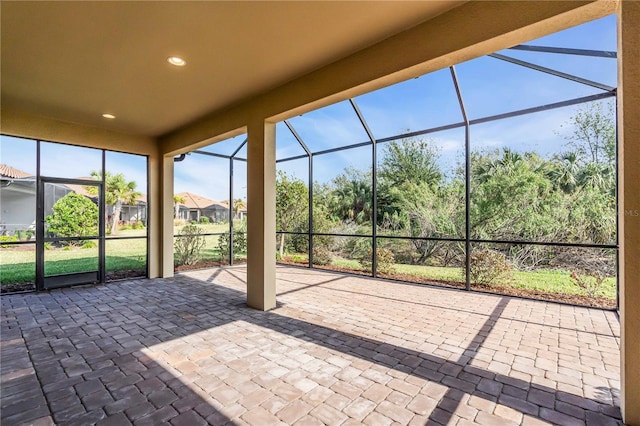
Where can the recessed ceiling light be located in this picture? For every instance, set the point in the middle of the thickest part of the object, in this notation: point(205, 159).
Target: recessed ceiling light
point(109, 116)
point(177, 61)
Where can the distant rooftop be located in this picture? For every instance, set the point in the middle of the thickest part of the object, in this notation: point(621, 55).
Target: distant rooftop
point(10, 172)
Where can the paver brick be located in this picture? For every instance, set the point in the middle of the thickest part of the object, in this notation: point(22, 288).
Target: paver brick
point(260, 416)
point(186, 350)
point(394, 412)
point(188, 418)
point(294, 411)
point(377, 392)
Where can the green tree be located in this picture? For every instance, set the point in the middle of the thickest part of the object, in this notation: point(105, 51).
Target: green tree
point(407, 160)
point(351, 196)
point(292, 203)
point(74, 215)
point(117, 191)
point(593, 134)
point(238, 206)
point(429, 212)
point(410, 160)
point(512, 197)
point(565, 172)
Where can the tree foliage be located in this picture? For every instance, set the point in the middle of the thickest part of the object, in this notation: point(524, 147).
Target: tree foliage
point(74, 215)
point(292, 204)
point(514, 196)
point(118, 191)
point(177, 200)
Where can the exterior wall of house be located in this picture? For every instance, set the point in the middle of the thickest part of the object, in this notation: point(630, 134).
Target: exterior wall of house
point(134, 213)
point(18, 209)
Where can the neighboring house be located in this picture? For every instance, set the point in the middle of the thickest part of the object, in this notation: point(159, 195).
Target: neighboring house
point(17, 200)
point(196, 206)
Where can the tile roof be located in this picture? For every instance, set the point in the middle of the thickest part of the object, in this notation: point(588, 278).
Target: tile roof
point(13, 173)
point(195, 201)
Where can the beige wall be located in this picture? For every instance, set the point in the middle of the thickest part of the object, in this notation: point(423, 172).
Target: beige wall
point(18, 123)
point(629, 197)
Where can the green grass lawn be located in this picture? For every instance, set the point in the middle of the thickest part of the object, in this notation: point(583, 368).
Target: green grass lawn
point(549, 281)
point(19, 265)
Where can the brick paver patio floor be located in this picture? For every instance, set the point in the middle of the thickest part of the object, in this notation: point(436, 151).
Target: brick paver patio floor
point(338, 350)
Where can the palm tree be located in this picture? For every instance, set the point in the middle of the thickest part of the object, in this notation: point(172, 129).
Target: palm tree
point(177, 200)
point(566, 171)
point(238, 206)
point(117, 192)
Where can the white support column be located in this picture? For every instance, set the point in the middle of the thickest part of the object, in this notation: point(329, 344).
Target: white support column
point(166, 251)
point(261, 201)
point(629, 198)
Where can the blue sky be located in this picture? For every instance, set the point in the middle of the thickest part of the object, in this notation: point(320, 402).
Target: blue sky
point(489, 86)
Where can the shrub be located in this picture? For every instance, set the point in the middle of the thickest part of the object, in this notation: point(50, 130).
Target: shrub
point(138, 225)
point(590, 281)
point(239, 242)
point(74, 215)
point(89, 244)
point(489, 267)
point(204, 220)
point(385, 261)
point(188, 245)
point(298, 258)
point(322, 256)
point(48, 246)
point(7, 239)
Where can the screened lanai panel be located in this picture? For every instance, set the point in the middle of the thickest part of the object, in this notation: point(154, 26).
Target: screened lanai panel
point(600, 70)
point(201, 185)
point(422, 261)
point(287, 145)
point(240, 184)
point(536, 177)
point(420, 185)
point(576, 275)
point(330, 127)
point(492, 86)
point(292, 211)
point(17, 214)
point(126, 248)
point(343, 253)
point(131, 170)
point(598, 35)
point(292, 195)
point(226, 146)
point(67, 161)
point(343, 191)
point(420, 103)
